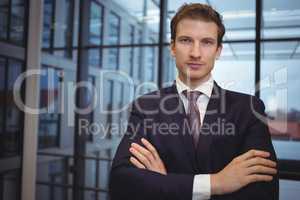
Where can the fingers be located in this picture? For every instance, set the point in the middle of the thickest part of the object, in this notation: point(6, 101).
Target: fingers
point(151, 148)
point(136, 163)
point(143, 151)
point(258, 177)
point(144, 160)
point(258, 169)
point(259, 161)
point(253, 153)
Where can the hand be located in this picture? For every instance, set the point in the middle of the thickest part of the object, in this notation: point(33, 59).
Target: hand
point(146, 158)
point(249, 167)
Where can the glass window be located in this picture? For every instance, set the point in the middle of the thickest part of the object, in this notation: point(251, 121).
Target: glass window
point(141, 53)
point(91, 102)
point(17, 21)
point(236, 59)
point(143, 14)
point(95, 33)
point(114, 28)
point(169, 69)
point(48, 23)
point(281, 19)
point(53, 171)
point(10, 185)
point(49, 122)
point(96, 23)
point(58, 27)
point(239, 17)
point(13, 114)
point(127, 54)
point(2, 93)
point(279, 90)
point(131, 56)
point(12, 20)
point(150, 64)
point(108, 103)
point(10, 117)
point(4, 8)
point(118, 101)
point(10, 131)
point(66, 27)
point(113, 39)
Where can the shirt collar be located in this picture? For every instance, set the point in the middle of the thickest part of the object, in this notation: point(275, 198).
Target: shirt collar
point(205, 88)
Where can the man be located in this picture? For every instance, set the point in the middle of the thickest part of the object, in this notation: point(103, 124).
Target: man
point(195, 140)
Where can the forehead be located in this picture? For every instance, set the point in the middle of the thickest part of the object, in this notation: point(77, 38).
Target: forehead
point(196, 28)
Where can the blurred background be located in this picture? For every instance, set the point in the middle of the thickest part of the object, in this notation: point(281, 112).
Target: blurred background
point(121, 48)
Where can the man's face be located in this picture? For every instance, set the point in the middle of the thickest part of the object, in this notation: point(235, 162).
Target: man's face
point(195, 49)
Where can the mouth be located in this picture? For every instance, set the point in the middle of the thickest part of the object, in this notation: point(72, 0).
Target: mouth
point(195, 66)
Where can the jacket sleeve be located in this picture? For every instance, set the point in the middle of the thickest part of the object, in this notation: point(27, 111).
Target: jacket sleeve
point(129, 182)
point(258, 137)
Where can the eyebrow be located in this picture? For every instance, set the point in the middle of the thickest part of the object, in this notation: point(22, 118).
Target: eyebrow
point(205, 38)
point(184, 36)
point(209, 39)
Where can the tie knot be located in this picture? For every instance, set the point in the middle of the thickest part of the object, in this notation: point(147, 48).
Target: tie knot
point(192, 95)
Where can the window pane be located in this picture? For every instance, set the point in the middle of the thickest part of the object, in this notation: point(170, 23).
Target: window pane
point(52, 171)
point(144, 15)
point(112, 58)
point(10, 185)
point(64, 28)
point(280, 92)
point(169, 69)
point(114, 28)
point(2, 92)
point(4, 19)
point(17, 21)
point(289, 189)
point(13, 114)
point(236, 59)
point(113, 39)
point(95, 33)
point(58, 27)
point(10, 131)
point(96, 23)
point(151, 63)
point(48, 24)
point(281, 19)
point(238, 16)
point(49, 122)
point(91, 102)
point(127, 54)
point(107, 104)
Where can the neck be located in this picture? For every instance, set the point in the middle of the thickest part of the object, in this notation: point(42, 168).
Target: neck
point(193, 83)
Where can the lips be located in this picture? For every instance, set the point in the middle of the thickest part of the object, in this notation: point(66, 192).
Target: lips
point(195, 65)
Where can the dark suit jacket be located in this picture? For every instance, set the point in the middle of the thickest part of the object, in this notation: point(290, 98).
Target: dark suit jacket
point(160, 117)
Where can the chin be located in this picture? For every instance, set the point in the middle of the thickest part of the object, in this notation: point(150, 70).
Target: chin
point(195, 75)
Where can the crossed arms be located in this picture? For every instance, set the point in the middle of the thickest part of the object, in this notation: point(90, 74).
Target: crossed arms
point(138, 172)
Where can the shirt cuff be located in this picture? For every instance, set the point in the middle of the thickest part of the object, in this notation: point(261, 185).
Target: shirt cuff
point(201, 187)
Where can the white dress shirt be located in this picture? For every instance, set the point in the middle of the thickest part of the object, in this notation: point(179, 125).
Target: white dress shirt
point(201, 185)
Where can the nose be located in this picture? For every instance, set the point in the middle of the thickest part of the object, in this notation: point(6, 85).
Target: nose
point(195, 52)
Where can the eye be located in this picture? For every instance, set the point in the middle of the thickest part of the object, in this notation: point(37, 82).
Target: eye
point(185, 40)
point(208, 42)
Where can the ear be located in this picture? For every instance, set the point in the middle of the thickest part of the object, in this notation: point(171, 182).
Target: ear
point(172, 48)
point(219, 50)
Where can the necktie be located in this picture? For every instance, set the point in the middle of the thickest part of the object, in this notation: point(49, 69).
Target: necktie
point(193, 114)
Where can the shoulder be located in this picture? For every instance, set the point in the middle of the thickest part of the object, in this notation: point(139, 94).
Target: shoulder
point(243, 101)
point(151, 100)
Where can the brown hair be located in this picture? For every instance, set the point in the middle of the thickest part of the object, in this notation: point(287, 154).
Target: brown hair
point(198, 11)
